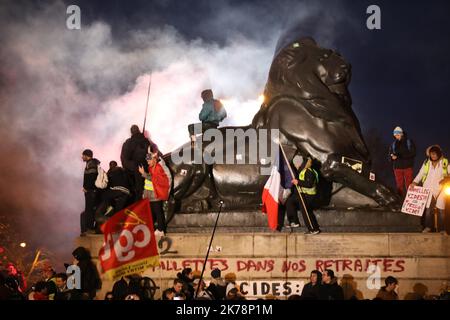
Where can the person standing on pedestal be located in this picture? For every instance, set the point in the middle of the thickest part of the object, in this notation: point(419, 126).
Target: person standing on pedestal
point(132, 156)
point(90, 191)
point(307, 186)
point(431, 175)
point(156, 190)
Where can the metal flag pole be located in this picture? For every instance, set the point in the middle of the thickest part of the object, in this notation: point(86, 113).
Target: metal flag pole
point(146, 104)
point(209, 248)
point(33, 265)
point(297, 187)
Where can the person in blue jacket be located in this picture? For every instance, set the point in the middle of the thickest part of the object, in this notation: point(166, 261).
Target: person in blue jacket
point(212, 113)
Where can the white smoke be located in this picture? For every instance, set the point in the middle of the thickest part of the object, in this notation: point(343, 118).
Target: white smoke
point(68, 90)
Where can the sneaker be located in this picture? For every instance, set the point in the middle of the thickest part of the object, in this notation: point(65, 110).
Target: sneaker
point(313, 232)
point(109, 210)
point(426, 230)
point(294, 225)
point(91, 231)
point(159, 233)
point(83, 234)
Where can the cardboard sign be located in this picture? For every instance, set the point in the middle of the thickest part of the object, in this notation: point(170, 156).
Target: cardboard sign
point(416, 200)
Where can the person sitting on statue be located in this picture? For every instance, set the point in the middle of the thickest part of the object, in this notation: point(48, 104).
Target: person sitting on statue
point(432, 175)
point(305, 188)
point(156, 190)
point(212, 113)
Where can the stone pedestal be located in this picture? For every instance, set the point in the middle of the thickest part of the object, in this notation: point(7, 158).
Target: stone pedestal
point(334, 220)
point(280, 263)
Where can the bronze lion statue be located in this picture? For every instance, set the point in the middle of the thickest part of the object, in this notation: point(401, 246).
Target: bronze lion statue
point(307, 100)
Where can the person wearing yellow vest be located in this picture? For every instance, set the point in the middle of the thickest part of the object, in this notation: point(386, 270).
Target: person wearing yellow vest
point(307, 182)
point(431, 175)
point(156, 189)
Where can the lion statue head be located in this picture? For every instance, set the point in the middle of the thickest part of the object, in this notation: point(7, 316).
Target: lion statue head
point(305, 71)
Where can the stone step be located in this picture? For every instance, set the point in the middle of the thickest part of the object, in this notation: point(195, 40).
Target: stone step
point(329, 221)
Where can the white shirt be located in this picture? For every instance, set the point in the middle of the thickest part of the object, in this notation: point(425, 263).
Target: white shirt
point(435, 175)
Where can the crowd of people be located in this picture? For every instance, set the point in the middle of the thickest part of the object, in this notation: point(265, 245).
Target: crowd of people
point(188, 285)
point(52, 285)
point(143, 174)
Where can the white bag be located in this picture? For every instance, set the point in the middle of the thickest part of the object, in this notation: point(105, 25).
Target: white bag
point(102, 178)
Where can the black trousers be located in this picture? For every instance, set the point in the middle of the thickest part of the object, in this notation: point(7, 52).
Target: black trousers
point(158, 215)
point(136, 185)
point(87, 217)
point(205, 126)
point(115, 198)
point(293, 204)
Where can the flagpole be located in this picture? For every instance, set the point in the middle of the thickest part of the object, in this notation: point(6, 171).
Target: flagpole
point(209, 248)
point(35, 261)
point(146, 104)
point(297, 187)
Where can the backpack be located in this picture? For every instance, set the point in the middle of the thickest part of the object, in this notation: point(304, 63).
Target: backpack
point(408, 145)
point(102, 178)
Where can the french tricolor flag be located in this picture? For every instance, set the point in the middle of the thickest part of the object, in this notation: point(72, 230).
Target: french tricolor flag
point(279, 181)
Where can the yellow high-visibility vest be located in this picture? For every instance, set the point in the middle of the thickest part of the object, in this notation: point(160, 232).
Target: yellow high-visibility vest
point(310, 191)
point(148, 185)
point(427, 168)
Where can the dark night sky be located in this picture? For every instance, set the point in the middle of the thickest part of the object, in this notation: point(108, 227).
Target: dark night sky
point(400, 77)
point(400, 73)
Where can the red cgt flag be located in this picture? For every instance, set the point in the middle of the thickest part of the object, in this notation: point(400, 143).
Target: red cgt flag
point(130, 244)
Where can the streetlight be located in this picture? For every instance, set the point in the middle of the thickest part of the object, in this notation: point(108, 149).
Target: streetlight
point(447, 190)
point(23, 244)
point(447, 205)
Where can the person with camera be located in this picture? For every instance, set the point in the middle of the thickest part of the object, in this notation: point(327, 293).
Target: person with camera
point(156, 190)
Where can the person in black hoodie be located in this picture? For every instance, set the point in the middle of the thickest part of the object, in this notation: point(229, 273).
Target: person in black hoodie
point(116, 195)
point(90, 279)
point(133, 155)
point(311, 290)
point(187, 277)
point(90, 191)
point(217, 286)
point(330, 290)
point(402, 153)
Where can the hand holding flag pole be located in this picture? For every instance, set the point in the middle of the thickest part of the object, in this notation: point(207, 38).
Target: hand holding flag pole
point(296, 186)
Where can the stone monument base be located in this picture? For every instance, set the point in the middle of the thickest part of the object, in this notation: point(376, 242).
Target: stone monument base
point(280, 263)
point(330, 220)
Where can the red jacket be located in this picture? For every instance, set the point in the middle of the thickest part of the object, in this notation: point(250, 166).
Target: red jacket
point(161, 185)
